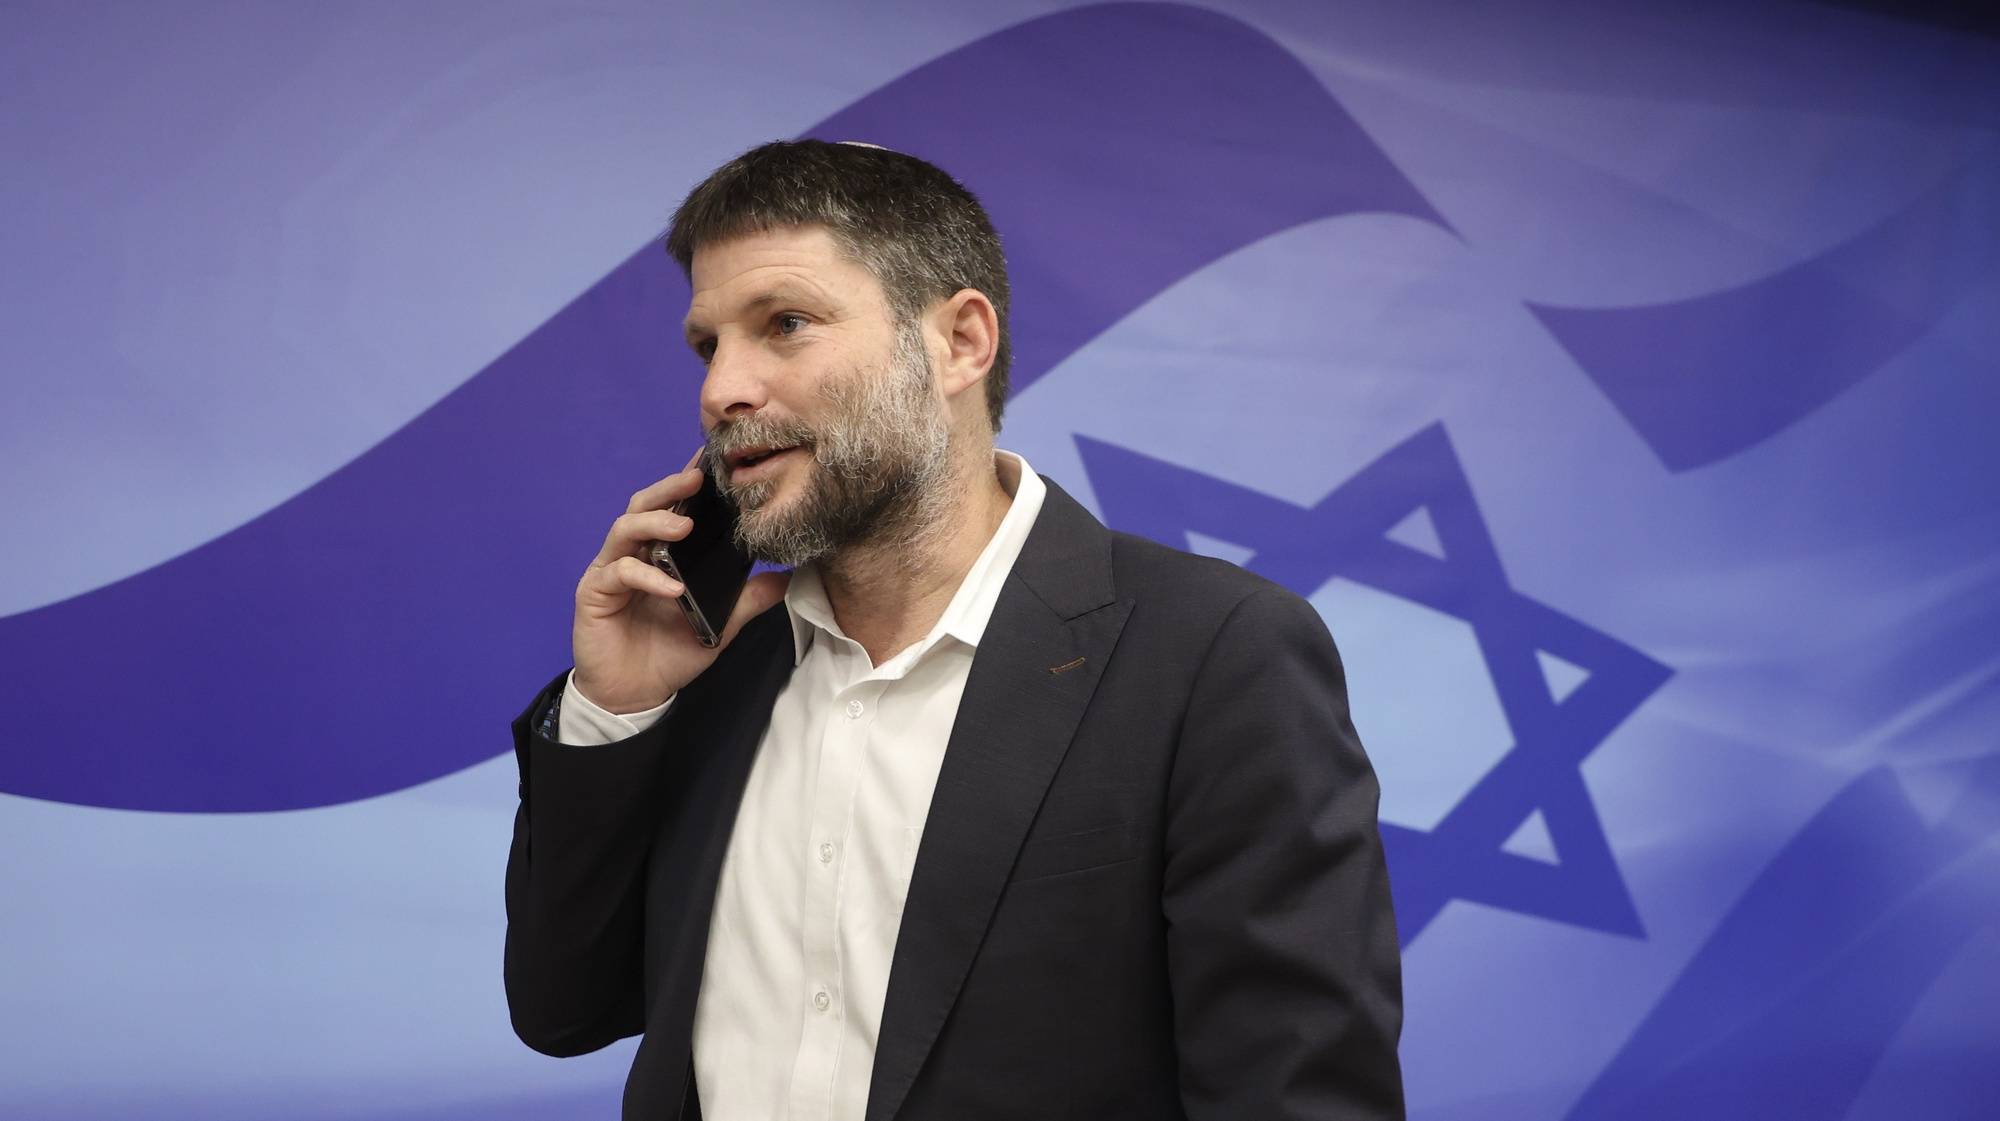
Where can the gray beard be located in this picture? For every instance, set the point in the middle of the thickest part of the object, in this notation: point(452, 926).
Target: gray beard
point(881, 470)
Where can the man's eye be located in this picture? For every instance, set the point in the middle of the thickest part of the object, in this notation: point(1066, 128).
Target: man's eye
point(789, 322)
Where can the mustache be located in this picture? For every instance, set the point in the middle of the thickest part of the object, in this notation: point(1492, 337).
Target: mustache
point(754, 431)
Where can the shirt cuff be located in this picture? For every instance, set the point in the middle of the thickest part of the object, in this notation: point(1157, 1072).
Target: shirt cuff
point(581, 723)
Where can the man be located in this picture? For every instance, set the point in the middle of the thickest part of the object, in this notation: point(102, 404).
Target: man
point(1003, 814)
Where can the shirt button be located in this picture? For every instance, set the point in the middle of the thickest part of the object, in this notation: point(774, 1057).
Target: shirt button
point(822, 1001)
point(854, 710)
point(826, 854)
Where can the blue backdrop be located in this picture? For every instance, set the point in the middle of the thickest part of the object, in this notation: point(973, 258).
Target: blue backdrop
point(1619, 381)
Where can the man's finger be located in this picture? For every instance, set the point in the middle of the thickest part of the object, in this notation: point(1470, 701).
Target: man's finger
point(613, 584)
point(629, 531)
point(669, 490)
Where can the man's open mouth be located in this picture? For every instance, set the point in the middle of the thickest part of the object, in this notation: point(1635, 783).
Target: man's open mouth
point(751, 457)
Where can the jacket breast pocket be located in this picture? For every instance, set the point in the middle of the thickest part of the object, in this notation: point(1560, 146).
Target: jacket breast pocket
point(1063, 853)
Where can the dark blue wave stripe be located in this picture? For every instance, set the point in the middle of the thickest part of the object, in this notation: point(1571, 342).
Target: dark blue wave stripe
point(379, 628)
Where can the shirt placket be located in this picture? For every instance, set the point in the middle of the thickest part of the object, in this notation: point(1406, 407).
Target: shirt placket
point(842, 742)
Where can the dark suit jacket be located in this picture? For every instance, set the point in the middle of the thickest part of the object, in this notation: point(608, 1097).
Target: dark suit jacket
point(1150, 885)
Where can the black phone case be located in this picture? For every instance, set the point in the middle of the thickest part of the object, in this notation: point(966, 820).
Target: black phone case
point(707, 562)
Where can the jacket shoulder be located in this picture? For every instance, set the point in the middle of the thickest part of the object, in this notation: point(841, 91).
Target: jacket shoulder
point(1204, 592)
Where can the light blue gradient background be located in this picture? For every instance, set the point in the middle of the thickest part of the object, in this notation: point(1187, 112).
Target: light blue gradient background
point(247, 242)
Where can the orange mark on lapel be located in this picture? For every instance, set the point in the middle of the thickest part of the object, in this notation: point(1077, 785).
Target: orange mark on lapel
point(1066, 666)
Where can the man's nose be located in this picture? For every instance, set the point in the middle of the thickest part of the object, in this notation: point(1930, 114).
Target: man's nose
point(734, 387)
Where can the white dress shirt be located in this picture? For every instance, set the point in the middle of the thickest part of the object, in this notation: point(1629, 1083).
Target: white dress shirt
point(819, 861)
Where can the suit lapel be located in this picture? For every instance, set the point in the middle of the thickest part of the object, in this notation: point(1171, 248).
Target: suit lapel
point(1053, 628)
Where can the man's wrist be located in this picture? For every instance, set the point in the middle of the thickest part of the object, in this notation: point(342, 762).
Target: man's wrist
point(583, 722)
point(579, 691)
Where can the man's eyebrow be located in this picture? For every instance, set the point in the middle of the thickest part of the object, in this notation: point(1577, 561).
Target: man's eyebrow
point(778, 294)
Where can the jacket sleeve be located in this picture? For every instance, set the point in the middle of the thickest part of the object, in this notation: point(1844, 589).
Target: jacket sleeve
point(576, 884)
point(1281, 943)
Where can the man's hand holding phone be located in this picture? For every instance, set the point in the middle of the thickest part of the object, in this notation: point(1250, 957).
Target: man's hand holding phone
point(634, 646)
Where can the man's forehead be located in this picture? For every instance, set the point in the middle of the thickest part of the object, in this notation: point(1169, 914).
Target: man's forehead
point(756, 268)
point(755, 291)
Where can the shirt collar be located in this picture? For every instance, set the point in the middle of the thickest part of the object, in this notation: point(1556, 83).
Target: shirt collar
point(971, 606)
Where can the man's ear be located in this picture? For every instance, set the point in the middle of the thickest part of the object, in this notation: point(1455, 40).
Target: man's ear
point(970, 329)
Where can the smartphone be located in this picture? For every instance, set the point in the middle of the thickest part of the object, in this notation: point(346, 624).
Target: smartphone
point(706, 562)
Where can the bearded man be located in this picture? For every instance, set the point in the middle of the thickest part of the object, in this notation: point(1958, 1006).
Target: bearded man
point(1002, 815)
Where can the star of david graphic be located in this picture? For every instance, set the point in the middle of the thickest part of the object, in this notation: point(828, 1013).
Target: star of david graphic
point(1347, 534)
